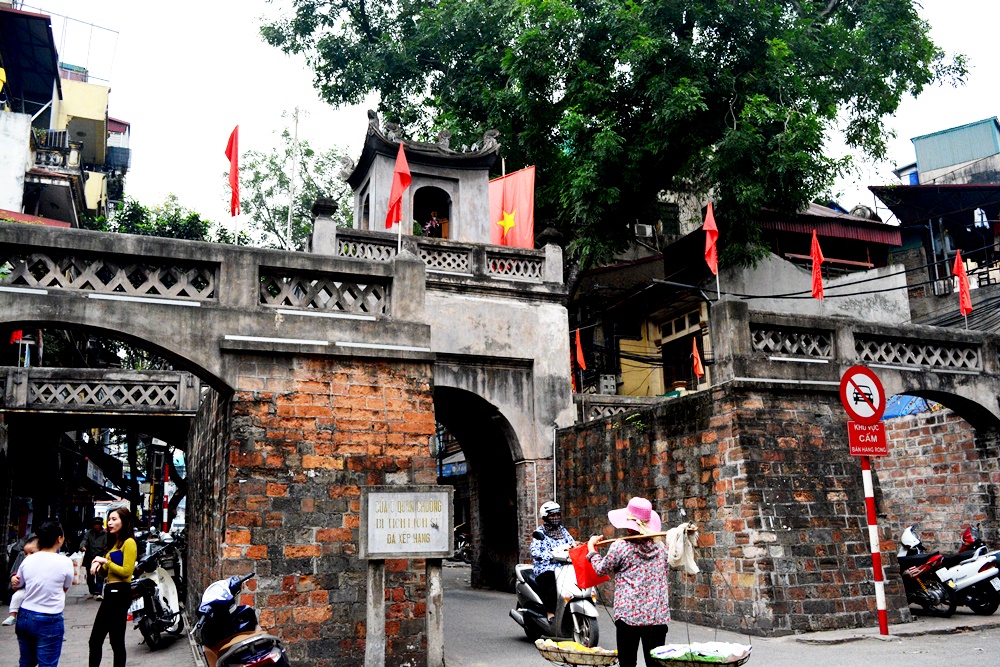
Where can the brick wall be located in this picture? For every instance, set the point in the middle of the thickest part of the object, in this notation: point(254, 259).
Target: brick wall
point(767, 477)
point(534, 487)
point(206, 500)
point(306, 433)
point(940, 476)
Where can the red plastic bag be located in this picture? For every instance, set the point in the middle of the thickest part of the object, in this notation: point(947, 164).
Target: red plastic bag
point(586, 577)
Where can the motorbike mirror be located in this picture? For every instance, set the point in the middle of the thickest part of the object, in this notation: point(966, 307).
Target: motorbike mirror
point(538, 535)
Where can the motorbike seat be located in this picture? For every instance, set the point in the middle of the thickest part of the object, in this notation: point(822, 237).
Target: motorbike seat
point(951, 560)
point(906, 562)
point(212, 653)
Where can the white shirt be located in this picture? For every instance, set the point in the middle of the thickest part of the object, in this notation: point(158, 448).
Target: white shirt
point(45, 576)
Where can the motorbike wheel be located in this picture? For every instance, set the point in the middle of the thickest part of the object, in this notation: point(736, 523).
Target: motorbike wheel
point(588, 633)
point(147, 626)
point(984, 601)
point(946, 593)
point(177, 627)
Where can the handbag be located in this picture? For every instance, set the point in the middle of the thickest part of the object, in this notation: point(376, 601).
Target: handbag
point(586, 577)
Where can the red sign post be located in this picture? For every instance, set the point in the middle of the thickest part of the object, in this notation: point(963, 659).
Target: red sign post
point(863, 397)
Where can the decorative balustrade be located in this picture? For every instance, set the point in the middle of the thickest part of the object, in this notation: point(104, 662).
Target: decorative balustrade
point(92, 390)
point(785, 342)
point(108, 275)
point(325, 293)
point(598, 406)
point(448, 257)
point(910, 353)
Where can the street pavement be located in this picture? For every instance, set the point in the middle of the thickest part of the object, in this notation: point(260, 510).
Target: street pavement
point(479, 633)
point(79, 618)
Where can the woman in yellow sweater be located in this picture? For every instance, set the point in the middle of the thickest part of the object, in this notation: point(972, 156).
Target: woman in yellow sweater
point(117, 567)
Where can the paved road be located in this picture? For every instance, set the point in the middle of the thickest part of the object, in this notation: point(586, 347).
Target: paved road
point(79, 618)
point(478, 633)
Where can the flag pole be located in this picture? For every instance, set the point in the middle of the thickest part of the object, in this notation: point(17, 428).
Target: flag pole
point(718, 291)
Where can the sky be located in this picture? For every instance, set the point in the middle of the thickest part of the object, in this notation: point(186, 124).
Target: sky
point(185, 73)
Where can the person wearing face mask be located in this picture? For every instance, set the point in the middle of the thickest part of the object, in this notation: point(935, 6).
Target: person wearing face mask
point(555, 535)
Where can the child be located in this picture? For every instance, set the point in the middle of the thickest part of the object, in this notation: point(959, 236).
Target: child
point(30, 547)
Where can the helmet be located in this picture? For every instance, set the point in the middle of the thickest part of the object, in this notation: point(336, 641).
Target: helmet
point(549, 508)
point(910, 538)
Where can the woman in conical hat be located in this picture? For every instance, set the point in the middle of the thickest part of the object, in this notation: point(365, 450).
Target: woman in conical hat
point(642, 608)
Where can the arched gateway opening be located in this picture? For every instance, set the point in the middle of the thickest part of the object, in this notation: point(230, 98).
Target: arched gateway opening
point(943, 468)
point(488, 443)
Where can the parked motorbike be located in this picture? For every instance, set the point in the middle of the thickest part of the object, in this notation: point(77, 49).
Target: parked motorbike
point(972, 577)
point(155, 608)
point(228, 631)
point(575, 613)
point(920, 580)
point(463, 545)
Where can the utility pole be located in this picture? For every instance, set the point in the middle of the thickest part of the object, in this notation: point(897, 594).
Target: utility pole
point(291, 185)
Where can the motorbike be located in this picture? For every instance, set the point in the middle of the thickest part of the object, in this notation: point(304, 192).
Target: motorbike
point(463, 545)
point(575, 613)
point(155, 608)
point(228, 631)
point(939, 583)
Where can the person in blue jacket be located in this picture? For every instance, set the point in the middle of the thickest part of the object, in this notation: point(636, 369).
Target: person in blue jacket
point(555, 536)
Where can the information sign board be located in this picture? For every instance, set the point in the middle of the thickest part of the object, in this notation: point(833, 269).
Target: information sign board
point(867, 440)
point(406, 522)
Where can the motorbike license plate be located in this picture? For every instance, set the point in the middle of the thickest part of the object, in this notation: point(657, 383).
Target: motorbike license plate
point(996, 583)
point(136, 605)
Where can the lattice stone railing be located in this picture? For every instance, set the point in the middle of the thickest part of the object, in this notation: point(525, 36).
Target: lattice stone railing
point(356, 248)
point(918, 354)
point(516, 268)
point(108, 275)
point(71, 389)
point(598, 406)
point(446, 260)
point(442, 256)
point(330, 294)
point(813, 344)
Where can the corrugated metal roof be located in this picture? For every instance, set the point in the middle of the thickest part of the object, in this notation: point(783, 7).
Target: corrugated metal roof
point(957, 145)
point(872, 232)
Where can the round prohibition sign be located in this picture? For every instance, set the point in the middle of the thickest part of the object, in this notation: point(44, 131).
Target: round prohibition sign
point(862, 394)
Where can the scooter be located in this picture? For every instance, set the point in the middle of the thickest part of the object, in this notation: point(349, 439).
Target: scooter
point(155, 605)
point(920, 580)
point(575, 613)
point(974, 577)
point(228, 631)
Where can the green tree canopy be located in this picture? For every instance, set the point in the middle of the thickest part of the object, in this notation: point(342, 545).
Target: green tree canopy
point(619, 101)
point(265, 178)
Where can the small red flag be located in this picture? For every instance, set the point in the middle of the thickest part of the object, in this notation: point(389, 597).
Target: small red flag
point(400, 181)
point(964, 297)
point(233, 154)
point(699, 370)
point(817, 273)
point(580, 361)
point(16, 336)
point(711, 241)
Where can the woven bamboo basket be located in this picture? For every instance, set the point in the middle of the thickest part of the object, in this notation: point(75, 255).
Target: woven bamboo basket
point(668, 662)
point(562, 656)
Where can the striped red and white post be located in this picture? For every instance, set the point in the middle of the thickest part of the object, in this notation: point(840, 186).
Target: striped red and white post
point(166, 500)
point(876, 546)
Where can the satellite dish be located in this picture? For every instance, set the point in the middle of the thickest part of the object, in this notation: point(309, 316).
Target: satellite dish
point(866, 212)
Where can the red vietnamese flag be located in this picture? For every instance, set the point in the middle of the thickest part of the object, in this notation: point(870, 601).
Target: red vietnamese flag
point(401, 180)
point(233, 154)
point(580, 361)
point(817, 273)
point(512, 209)
point(964, 297)
point(16, 336)
point(699, 370)
point(711, 241)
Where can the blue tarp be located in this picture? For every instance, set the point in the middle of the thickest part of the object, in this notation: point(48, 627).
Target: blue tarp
point(901, 405)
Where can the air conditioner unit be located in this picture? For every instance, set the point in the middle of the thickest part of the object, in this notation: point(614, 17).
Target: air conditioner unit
point(943, 287)
point(609, 385)
point(644, 231)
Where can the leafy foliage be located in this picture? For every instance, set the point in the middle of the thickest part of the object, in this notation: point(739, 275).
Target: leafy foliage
point(619, 101)
point(264, 185)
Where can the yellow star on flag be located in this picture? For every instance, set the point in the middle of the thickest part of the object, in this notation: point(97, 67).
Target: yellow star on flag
point(508, 221)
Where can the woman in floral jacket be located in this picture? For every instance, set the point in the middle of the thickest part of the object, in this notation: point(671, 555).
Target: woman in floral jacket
point(642, 608)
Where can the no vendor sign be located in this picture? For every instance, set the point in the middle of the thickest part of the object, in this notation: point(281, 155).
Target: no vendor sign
point(867, 440)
